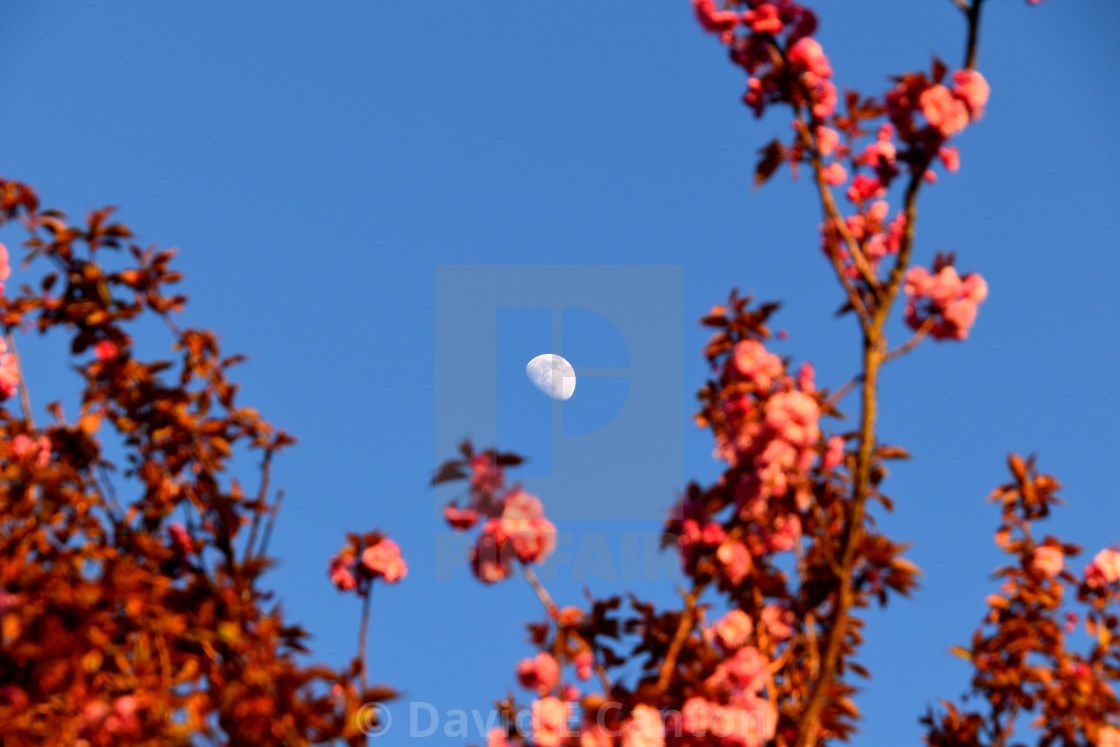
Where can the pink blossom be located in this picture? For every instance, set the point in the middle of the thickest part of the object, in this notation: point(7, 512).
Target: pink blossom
point(696, 716)
point(181, 539)
point(864, 187)
point(486, 475)
point(341, 572)
point(834, 455)
point(8, 602)
point(880, 154)
point(946, 297)
point(794, 416)
point(460, 518)
point(786, 531)
point(9, 372)
point(497, 738)
point(750, 722)
point(823, 95)
point(1047, 561)
point(776, 621)
point(523, 525)
point(491, 557)
point(806, 55)
point(549, 722)
point(834, 174)
point(764, 19)
point(736, 560)
point(751, 361)
point(722, 22)
point(644, 728)
point(23, 447)
point(733, 629)
point(105, 350)
point(541, 673)
point(592, 734)
point(745, 672)
point(973, 89)
point(384, 559)
point(5, 267)
point(1105, 569)
point(583, 663)
point(945, 112)
point(951, 157)
point(827, 140)
point(1108, 737)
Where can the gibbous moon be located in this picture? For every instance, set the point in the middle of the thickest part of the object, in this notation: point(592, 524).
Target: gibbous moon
point(552, 375)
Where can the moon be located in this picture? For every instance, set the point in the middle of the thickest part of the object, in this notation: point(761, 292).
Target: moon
point(552, 375)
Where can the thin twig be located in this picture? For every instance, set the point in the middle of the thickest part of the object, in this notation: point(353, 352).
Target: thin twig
point(553, 610)
point(362, 636)
point(259, 511)
point(272, 514)
point(542, 593)
point(684, 627)
point(24, 394)
point(843, 391)
point(972, 46)
point(912, 343)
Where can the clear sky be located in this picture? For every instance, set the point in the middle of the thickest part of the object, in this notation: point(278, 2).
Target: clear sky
point(316, 162)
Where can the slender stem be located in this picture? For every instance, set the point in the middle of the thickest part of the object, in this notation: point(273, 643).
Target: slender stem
point(259, 510)
point(684, 627)
point(541, 592)
point(272, 514)
point(554, 613)
point(24, 394)
point(362, 636)
point(973, 34)
point(912, 343)
point(842, 392)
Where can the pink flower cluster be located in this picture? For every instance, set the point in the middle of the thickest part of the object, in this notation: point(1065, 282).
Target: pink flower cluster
point(5, 266)
point(1103, 570)
point(753, 37)
point(541, 673)
point(946, 110)
point(104, 724)
point(516, 527)
point(37, 451)
point(550, 721)
point(364, 560)
point(9, 372)
point(750, 722)
point(944, 297)
point(767, 425)
point(1047, 561)
point(730, 711)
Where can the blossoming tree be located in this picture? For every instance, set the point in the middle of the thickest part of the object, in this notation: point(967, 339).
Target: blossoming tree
point(132, 608)
point(131, 603)
point(781, 552)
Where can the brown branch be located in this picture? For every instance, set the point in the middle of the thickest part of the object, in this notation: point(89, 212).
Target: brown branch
point(842, 392)
point(542, 593)
point(554, 612)
point(971, 48)
point(24, 394)
point(272, 514)
point(259, 511)
point(362, 635)
point(910, 344)
point(684, 627)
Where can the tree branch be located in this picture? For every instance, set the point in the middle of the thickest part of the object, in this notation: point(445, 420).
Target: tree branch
point(24, 394)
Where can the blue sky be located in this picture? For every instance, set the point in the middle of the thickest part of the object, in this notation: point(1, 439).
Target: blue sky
point(315, 164)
